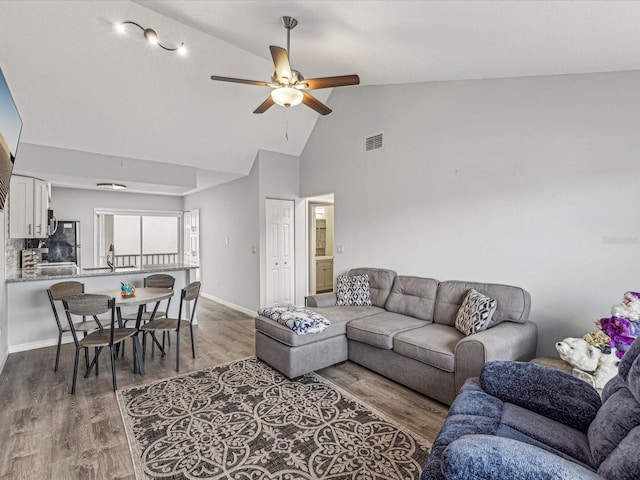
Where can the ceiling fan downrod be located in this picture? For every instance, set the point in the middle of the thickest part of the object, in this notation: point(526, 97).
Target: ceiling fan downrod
point(289, 23)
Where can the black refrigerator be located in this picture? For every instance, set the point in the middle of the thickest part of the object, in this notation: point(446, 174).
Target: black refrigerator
point(64, 243)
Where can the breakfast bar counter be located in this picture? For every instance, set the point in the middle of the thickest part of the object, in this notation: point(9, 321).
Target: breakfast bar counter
point(30, 319)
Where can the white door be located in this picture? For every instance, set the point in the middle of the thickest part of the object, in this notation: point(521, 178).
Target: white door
point(280, 267)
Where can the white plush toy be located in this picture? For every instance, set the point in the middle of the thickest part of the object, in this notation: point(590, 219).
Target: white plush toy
point(578, 353)
point(607, 369)
point(597, 368)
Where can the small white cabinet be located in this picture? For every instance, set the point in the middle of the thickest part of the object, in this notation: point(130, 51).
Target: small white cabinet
point(191, 239)
point(28, 206)
point(324, 275)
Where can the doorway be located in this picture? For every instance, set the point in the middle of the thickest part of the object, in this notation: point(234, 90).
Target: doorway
point(280, 253)
point(321, 247)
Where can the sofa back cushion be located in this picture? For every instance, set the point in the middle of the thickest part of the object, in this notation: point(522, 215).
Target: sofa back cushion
point(413, 296)
point(513, 303)
point(380, 283)
point(614, 435)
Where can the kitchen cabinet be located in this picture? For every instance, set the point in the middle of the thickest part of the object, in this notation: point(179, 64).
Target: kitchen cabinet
point(324, 275)
point(28, 206)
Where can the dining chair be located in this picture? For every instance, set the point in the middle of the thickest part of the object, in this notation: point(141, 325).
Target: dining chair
point(157, 280)
point(88, 304)
point(57, 292)
point(189, 293)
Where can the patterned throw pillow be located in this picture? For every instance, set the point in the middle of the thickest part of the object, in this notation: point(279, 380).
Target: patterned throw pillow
point(475, 313)
point(354, 290)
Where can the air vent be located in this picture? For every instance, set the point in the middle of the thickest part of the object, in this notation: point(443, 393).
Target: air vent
point(373, 142)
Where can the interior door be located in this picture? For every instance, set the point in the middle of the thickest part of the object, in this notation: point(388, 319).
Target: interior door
point(280, 255)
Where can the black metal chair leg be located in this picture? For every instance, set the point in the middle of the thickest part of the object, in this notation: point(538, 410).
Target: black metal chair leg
point(113, 367)
point(75, 372)
point(97, 353)
point(177, 350)
point(193, 346)
point(138, 354)
point(58, 351)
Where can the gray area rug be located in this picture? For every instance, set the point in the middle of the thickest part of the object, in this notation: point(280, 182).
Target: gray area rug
point(246, 421)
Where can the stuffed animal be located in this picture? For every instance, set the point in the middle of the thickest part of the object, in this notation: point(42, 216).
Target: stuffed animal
point(578, 353)
point(607, 369)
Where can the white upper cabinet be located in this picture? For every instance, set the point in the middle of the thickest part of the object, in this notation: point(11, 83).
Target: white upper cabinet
point(28, 205)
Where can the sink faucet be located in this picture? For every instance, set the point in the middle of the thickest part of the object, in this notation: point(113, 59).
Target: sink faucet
point(111, 260)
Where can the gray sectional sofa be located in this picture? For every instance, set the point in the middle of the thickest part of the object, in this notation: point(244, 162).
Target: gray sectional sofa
point(407, 334)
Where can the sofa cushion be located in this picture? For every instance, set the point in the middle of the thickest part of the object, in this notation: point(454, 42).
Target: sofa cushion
point(476, 313)
point(353, 290)
point(513, 303)
point(527, 426)
point(379, 330)
point(413, 296)
point(380, 283)
point(338, 316)
point(432, 344)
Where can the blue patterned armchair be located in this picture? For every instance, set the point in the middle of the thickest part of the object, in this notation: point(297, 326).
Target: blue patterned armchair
point(527, 421)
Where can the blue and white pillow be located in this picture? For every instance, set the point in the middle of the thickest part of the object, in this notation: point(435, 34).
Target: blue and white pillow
point(298, 319)
point(353, 290)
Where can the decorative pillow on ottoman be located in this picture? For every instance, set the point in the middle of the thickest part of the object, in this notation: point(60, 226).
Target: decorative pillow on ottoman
point(354, 290)
point(475, 313)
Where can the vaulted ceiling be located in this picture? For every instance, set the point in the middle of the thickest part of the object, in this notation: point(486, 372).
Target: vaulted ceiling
point(81, 86)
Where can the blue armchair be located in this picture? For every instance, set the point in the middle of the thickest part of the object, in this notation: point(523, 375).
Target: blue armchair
point(527, 421)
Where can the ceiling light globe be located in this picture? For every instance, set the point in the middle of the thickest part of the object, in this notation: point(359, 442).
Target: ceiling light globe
point(151, 36)
point(182, 50)
point(287, 96)
point(120, 27)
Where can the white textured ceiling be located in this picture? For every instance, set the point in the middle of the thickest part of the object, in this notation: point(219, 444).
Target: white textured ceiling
point(80, 86)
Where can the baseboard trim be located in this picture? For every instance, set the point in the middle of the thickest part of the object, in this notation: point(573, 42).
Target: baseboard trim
point(244, 310)
point(39, 344)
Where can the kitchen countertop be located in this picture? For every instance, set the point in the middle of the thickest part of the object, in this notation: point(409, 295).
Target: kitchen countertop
point(51, 272)
point(325, 257)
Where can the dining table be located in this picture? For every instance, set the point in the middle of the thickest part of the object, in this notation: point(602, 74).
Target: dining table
point(141, 298)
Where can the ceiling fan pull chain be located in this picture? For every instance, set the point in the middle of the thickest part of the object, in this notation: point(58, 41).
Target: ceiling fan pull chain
point(286, 124)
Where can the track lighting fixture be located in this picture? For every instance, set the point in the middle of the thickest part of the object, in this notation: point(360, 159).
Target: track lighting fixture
point(151, 36)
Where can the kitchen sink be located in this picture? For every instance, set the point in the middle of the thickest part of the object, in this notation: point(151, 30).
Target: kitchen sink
point(108, 268)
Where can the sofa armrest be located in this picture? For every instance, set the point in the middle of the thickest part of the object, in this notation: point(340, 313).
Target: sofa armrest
point(544, 390)
point(321, 300)
point(488, 456)
point(505, 341)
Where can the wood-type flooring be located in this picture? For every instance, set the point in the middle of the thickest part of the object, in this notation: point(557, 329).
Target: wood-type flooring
point(47, 433)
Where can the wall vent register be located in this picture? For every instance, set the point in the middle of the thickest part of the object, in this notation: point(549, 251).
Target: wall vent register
point(373, 142)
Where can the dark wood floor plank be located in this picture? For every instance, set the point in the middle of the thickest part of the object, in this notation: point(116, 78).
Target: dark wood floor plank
point(47, 433)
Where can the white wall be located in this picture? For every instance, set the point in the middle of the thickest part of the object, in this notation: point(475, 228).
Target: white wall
point(280, 179)
point(78, 204)
point(531, 182)
point(229, 271)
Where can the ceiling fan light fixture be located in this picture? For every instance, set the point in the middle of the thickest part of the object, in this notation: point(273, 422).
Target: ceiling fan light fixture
point(287, 96)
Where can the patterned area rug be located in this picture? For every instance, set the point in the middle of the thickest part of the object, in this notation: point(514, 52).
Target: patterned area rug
point(246, 421)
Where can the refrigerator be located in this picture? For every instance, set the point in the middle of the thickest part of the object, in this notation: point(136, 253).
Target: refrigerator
point(64, 243)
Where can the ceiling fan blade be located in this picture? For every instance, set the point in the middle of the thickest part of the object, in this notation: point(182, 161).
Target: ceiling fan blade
point(264, 105)
point(312, 102)
point(240, 80)
point(281, 62)
point(328, 82)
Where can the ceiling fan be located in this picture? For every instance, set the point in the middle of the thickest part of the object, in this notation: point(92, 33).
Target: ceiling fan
point(289, 86)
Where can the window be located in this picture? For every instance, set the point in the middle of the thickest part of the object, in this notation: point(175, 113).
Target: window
point(138, 238)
